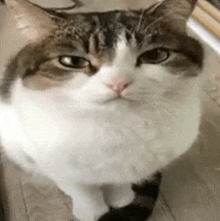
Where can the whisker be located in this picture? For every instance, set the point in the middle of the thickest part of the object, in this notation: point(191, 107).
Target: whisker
point(140, 21)
point(163, 17)
point(152, 8)
point(161, 106)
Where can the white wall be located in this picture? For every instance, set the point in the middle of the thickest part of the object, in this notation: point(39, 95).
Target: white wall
point(98, 4)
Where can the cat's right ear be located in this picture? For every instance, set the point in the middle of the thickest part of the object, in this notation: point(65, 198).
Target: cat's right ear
point(174, 12)
point(33, 21)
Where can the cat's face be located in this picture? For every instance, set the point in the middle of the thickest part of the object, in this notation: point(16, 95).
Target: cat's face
point(102, 57)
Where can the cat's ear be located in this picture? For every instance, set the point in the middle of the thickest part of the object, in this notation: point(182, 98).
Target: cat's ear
point(33, 21)
point(176, 12)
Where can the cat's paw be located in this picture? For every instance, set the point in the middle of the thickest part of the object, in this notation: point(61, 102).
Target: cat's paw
point(89, 213)
point(121, 202)
point(141, 207)
point(118, 196)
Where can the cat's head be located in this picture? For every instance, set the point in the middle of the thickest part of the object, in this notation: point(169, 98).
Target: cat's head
point(103, 56)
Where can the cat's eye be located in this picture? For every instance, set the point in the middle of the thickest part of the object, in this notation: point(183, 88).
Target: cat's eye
point(154, 56)
point(73, 62)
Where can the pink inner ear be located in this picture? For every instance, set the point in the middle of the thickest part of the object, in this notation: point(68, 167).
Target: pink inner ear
point(32, 21)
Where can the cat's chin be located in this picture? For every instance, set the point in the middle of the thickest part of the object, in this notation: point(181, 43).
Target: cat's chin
point(114, 100)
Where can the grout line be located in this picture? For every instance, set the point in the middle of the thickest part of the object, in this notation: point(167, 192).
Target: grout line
point(3, 191)
point(167, 205)
point(25, 204)
point(205, 91)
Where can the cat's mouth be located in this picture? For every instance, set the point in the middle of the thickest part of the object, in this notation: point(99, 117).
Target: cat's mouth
point(118, 98)
point(115, 99)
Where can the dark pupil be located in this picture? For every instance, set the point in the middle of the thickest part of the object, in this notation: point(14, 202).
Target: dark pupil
point(73, 61)
point(76, 60)
point(154, 56)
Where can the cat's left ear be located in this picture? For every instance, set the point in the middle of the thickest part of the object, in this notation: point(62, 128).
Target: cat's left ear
point(33, 21)
point(175, 12)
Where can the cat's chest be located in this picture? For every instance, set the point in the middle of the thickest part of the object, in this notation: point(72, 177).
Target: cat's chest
point(59, 125)
point(90, 139)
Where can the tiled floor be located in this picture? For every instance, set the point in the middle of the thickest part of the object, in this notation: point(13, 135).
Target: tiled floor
point(191, 185)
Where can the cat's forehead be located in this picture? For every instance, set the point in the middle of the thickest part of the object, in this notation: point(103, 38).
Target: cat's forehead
point(110, 19)
point(96, 36)
point(98, 33)
point(104, 28)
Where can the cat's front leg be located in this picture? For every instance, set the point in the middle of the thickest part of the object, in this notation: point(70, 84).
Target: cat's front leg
point(140, 209)
point(88, 201)
point(118, 196)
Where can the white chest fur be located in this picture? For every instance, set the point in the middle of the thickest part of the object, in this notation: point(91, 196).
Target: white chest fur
point(120, 142)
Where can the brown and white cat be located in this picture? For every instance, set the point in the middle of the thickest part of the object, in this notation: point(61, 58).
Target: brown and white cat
point(99, 102)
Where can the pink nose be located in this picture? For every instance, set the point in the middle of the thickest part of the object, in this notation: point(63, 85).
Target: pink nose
point(119, 84)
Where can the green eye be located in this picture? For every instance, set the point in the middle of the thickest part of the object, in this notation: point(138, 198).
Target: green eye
point(73, 62)
point(154, 56)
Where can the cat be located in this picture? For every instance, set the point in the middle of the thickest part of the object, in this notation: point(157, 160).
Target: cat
point(99, 102)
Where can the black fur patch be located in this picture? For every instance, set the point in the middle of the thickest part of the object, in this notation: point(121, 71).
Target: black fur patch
point(142, 206)
point(129, 213)
point(147, 188)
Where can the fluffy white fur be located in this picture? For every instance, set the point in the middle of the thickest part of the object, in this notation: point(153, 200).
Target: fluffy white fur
point(90, 142)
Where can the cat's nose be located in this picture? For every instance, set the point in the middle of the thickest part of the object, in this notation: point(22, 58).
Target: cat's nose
point(119, 84)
